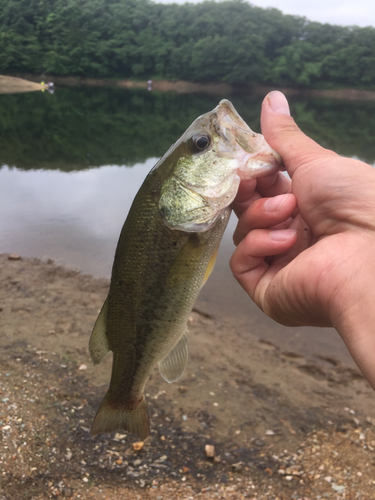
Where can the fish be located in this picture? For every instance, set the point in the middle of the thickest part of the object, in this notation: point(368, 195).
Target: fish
point(166, 251)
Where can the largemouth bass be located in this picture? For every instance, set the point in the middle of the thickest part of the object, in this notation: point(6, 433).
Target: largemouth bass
point(165, 253)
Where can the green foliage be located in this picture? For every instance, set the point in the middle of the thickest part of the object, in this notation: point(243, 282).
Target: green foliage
point(228, 40)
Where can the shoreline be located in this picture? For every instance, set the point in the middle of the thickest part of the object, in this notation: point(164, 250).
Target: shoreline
point(32, 82)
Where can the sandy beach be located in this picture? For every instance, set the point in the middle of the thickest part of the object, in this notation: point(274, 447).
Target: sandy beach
point(281, 426)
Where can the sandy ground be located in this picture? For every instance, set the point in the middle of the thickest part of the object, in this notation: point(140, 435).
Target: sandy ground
point(13, 85)
point(282, 426)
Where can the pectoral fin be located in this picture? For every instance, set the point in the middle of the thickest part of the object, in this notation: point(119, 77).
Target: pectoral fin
point(98, 344)
point(173, 365)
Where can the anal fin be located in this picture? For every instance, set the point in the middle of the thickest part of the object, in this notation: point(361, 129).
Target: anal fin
point(173, 365)
point(98, 345)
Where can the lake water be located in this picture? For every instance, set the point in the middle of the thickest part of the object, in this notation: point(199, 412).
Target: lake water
point(71, 163)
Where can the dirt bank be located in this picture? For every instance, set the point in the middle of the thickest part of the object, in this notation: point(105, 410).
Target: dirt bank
point(282, 427)
point(13, 85)
point(184, 87)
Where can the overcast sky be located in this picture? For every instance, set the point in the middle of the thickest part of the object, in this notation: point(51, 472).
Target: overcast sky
point(343, 12)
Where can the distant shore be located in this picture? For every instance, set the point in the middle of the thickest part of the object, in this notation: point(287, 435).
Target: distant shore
point(14, 85)
point(26, 83)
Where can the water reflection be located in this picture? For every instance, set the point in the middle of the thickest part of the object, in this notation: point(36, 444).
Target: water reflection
point(86, 127)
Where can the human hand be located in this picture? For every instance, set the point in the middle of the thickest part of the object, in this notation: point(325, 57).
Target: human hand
point(305, 251)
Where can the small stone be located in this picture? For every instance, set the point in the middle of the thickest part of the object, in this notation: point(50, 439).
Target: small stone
point(82, 367)
point(209, 450)
point(119, 436)
point(338, 488)
point(85, 480)
point(138, 445)
point(269, 432)
point(328, 479)
point(288, 478)
point(182, 389)
point(14, 256)
point(238, 466)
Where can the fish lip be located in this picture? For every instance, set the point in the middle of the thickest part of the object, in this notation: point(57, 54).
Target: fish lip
point(258, 157)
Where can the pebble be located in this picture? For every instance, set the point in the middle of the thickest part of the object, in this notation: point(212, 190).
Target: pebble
point(14, 256)
point(209, 450)
point(138, 445)
point(119, 437)
point(82, 367)
point(238, 466)
point(338, 488)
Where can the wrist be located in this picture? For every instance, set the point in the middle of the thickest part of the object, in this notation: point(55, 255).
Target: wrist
point(353, 316)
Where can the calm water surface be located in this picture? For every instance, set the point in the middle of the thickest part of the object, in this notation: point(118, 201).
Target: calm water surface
point(73, 161)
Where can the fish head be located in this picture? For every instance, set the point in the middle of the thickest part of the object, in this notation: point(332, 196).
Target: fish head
point(205, 166)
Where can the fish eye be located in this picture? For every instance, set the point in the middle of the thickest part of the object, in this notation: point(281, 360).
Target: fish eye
point(199, 142)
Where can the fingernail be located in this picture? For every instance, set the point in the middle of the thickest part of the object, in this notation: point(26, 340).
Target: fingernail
point(278, 103)
point(283, 234)
point(275, 203)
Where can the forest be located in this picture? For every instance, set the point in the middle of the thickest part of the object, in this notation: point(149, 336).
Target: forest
point(226, 41)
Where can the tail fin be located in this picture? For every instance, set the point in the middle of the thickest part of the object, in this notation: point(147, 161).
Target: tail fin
point(110, 418)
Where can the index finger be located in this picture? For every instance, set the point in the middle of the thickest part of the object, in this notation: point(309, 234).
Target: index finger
point(251, 190)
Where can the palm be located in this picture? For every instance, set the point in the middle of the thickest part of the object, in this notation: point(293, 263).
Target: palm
point(329, 242)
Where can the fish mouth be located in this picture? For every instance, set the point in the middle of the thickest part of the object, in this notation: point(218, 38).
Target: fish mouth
point(254, 155)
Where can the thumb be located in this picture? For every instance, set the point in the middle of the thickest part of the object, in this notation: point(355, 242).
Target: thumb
point(284, 136)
